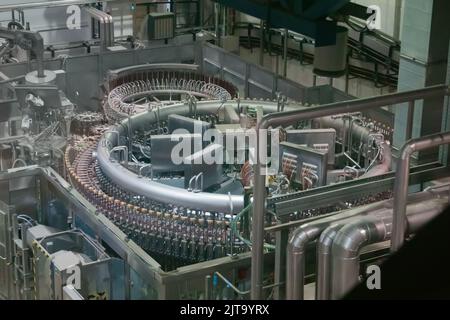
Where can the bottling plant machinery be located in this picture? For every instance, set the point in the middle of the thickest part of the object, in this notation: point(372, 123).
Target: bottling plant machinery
point(176, 170)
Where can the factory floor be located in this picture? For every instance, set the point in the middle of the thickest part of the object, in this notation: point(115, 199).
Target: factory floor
point(310, 291)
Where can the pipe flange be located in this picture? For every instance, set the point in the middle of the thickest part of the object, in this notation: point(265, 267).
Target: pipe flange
point(49, 77)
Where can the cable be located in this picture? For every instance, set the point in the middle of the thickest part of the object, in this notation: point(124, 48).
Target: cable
point(15, 24)
point(233, 226)
point(30, 221)
point(134, 159)
point(26, 217)
point(351, 160)
point(143, 153)
point(19, 160)
point(374, 160)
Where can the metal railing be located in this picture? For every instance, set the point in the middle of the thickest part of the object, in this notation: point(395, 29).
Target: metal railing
point(402, 182)
point(291, 117)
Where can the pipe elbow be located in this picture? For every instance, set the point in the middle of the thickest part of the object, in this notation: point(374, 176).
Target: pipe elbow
point(264, 123)
point(408, 149)
point(301, 237)
point(326, 239)
point(350, 239)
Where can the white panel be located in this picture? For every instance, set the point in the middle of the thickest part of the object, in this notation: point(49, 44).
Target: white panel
point(387, 13)
point(123, 19)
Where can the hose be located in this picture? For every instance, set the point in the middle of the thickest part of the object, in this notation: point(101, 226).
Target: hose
point(15, 24)
point(17, 161)
point(233, 226)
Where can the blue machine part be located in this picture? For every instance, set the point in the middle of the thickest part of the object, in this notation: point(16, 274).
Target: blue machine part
point(307, 17)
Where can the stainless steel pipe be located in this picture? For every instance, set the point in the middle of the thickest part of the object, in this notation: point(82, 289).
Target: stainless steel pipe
point(373, 229)
point(106, 26)
point(131, 182)
point(295, 266)
point(96, 15)
point(306, 234)
point(291, 117)
point(285, 52)
point(402, 182)
point(327, 229)
point(323, 261)
point(346, 248)
point(342, 125)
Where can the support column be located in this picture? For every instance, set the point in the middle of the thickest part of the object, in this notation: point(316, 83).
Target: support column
point(397, 19)
point(424, 59)
point(445, 154)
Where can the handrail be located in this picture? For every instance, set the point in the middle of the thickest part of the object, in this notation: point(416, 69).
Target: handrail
point(402, 182)
point(291, 117)
point(239, 292)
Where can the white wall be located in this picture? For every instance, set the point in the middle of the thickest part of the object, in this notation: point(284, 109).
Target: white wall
point(304, 75)
point(387, 13)
point(122, 17)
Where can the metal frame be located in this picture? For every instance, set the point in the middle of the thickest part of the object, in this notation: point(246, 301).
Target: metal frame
point(328, 196)
point(402, 183)
point(251, 79)
point(286, 118)
point(350, 190)
point(88, 71)
point(165, 285)
point(94, 66)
